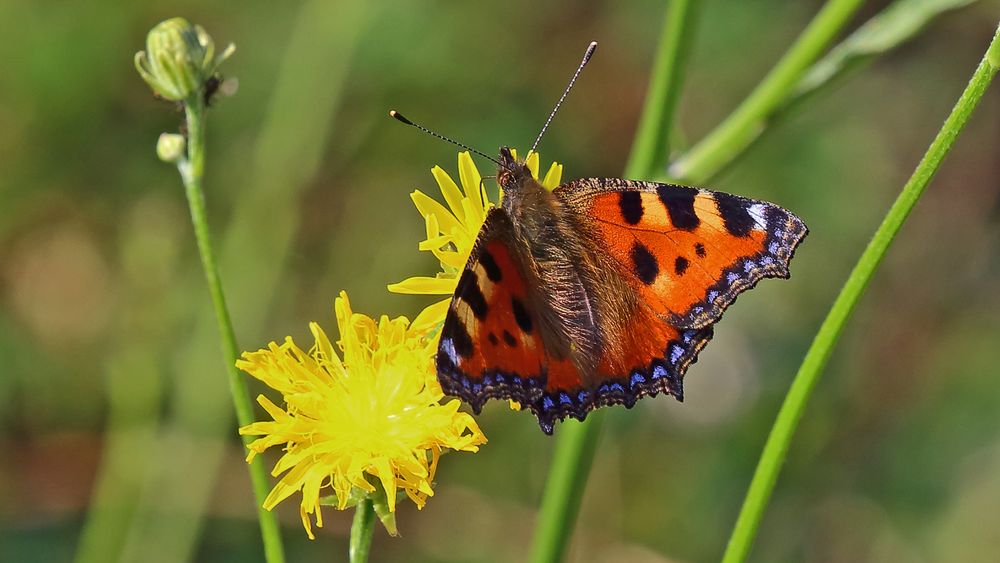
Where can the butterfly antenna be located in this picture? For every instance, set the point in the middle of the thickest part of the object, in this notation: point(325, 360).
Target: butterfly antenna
point(586, 58)
point(399, 117)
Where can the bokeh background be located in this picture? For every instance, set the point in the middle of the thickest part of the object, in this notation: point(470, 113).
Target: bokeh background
point(117, 440)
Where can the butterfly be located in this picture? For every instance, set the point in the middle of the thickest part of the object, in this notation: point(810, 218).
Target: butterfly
point(602, 291)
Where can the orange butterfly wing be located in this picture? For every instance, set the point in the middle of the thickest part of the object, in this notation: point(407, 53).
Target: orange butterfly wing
point(490, 346)
point(689, 252)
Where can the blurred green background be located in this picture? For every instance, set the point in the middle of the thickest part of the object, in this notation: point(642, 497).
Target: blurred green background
point(116, 435)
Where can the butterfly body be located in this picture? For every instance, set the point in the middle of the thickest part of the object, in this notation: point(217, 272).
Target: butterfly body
point(555, 256)
point(601, 291)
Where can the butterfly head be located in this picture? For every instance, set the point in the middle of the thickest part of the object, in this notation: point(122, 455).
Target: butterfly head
point(511, 172)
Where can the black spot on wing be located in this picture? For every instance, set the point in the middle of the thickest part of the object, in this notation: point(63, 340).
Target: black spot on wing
point(679, 201)
point(630, 203)
point(521, 315)
point(490, 265)
point(493, 339)
point(644, 263)
point(680, 265)
point(699, 249)
point(733, 211)
point(468, 290)
point(509, 339)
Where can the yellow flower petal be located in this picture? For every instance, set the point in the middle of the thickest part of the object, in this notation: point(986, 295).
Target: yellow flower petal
point(388, 478)
point(553, 177)
point(422, 285)
point(428, 206)
point(432, 225)
point(472, 181)
point(431, 316)
point(323, 346)
point(306, 523)
point(532, 163)
point(450, 191)
point(435, 243)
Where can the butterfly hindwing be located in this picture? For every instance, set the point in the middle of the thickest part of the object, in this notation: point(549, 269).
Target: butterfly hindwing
point(490, 345)
point(658, 356)
point(689, 252)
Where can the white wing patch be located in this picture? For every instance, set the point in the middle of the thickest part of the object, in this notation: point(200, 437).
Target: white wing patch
point(757, 211)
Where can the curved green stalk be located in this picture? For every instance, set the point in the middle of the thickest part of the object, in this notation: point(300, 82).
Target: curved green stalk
point(576, 442)
point(651, 149)
point(819, 352)
point(738, 130)
point(192, 170)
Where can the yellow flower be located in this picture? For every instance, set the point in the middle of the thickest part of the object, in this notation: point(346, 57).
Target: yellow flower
point(368, 416)
point(452, 230)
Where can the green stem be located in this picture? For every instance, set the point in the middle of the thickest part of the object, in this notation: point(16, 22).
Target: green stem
point(576, 442)
point(815, 360)
point(192, 170)
point(571, 462)
point(651, 149)
point(362, 530)
point(738, 130)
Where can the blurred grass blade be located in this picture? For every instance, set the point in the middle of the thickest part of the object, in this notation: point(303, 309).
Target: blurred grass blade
point(892, 27)
point(149, 245)
point(255, 245)
point(826, 338)
point(129, 442)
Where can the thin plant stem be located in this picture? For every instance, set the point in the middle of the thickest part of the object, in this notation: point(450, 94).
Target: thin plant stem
point(576, 442)
point(362, 530)
point(815, 360)
point(738, 130)
point(296, 126)
point(567, 479)
point(192, 171)
point(651, 149)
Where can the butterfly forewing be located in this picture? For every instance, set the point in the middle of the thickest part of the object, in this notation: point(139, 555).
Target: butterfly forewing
point(490, 346)
point(689, 252)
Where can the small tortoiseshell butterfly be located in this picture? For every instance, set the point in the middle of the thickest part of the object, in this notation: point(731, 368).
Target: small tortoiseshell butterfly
point(601, 291)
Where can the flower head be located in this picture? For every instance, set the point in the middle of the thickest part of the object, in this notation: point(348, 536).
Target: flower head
point(179, 59)
point(366, 421)
point(452, 230)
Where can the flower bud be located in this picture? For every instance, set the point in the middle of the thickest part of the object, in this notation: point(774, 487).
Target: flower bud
point(179, 59)
point(170, 147)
